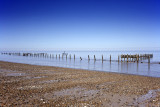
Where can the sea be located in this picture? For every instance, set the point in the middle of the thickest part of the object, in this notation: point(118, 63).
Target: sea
point(151, 69)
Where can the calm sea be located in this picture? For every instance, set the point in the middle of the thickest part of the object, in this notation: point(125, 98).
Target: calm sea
point(145, 69)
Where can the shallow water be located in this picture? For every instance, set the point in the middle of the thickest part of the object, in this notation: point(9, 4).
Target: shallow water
point(128, 68)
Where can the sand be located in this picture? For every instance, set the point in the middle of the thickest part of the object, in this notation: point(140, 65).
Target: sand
point(28, 85)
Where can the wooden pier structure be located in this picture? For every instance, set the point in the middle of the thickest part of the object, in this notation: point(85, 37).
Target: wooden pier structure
point(121, 58)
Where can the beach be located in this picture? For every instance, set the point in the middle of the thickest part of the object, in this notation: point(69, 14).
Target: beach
point(28, 85)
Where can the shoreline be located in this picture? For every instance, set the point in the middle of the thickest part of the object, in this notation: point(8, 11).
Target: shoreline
point(26, 85)
point(83, 69)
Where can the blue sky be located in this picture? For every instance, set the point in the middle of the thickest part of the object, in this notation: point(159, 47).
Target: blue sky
point(79, 24)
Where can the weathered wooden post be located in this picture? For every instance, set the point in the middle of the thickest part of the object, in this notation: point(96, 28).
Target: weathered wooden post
point(88, 58)
point(121, 57)
point(70, 56)
point(80, 58)
point(148, 59)
point(110, 58)
point(137, 58)
point(102, 58)
point(94, 58)
point(118, 58)
point(74, 57)
point(43, 55)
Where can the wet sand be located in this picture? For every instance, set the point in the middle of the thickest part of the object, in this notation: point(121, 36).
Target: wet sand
point(27, 85)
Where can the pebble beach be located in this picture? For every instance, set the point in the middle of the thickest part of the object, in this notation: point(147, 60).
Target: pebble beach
point(33, 85)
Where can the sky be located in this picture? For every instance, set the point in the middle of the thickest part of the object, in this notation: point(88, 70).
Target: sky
point(79, 24)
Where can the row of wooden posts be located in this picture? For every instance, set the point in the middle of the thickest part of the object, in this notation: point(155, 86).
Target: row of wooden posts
point(133, 58)
point(136, 57)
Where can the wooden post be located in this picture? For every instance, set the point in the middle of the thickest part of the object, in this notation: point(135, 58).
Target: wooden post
point(118, 58)
point(80, 58)
point(88, 58)
point(70, 56)
point(102, 58)
point(137, 58)
point(121, 57)
point(74, 57)
point(148, 59)
point(94, 58)
point(110, 58)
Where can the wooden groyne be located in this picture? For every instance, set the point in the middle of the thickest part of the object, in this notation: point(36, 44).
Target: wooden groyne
point(121, 58)
point(136, 57)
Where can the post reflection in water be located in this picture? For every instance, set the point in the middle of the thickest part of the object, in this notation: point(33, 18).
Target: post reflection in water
point(80, 64)
point(94, 67)
point(148, 68)
point(137, 67)
point(118, 66)
point(74, 64)
point(66, 63)
point(127, 67)
point(121, 66)
point(102, 66)
point(88, 65)
point(110, 66)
